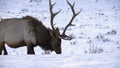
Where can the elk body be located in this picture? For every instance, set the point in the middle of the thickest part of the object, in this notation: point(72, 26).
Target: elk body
point(28, 31)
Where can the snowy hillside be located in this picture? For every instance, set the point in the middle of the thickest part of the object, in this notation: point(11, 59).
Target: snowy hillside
point(96, 31)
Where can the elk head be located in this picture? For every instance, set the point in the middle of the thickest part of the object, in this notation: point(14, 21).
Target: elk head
point(54, 32)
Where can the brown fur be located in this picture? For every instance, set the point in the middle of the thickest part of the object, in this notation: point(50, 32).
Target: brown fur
point(27, 31)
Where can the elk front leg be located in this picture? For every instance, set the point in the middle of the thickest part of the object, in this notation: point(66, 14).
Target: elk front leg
point(5, 51)
point(0, 50)
point(30, 50)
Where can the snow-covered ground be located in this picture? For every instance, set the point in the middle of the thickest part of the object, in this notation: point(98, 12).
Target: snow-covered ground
point(96, 31)
point(60, 61)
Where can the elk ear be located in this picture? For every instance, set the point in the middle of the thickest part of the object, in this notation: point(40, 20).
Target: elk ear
point(57, 32)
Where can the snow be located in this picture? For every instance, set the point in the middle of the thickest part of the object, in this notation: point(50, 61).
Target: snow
point(58, 61)
point(96, 31)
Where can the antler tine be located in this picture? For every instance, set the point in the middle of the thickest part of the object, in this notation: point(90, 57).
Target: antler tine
point(71, 6)
point(78, 12)
point(74, 15)
point(52, 14)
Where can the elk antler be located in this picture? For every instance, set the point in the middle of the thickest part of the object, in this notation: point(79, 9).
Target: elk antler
point(70, 23)
point(52, 14)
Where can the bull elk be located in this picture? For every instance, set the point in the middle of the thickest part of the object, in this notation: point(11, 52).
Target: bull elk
point(28, 31)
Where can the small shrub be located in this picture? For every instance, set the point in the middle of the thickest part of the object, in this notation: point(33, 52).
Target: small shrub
point(102, 38)
point(94, 49)
point(112, 32)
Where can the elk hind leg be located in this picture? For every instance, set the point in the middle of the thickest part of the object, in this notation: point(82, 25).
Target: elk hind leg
point(1, 47)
